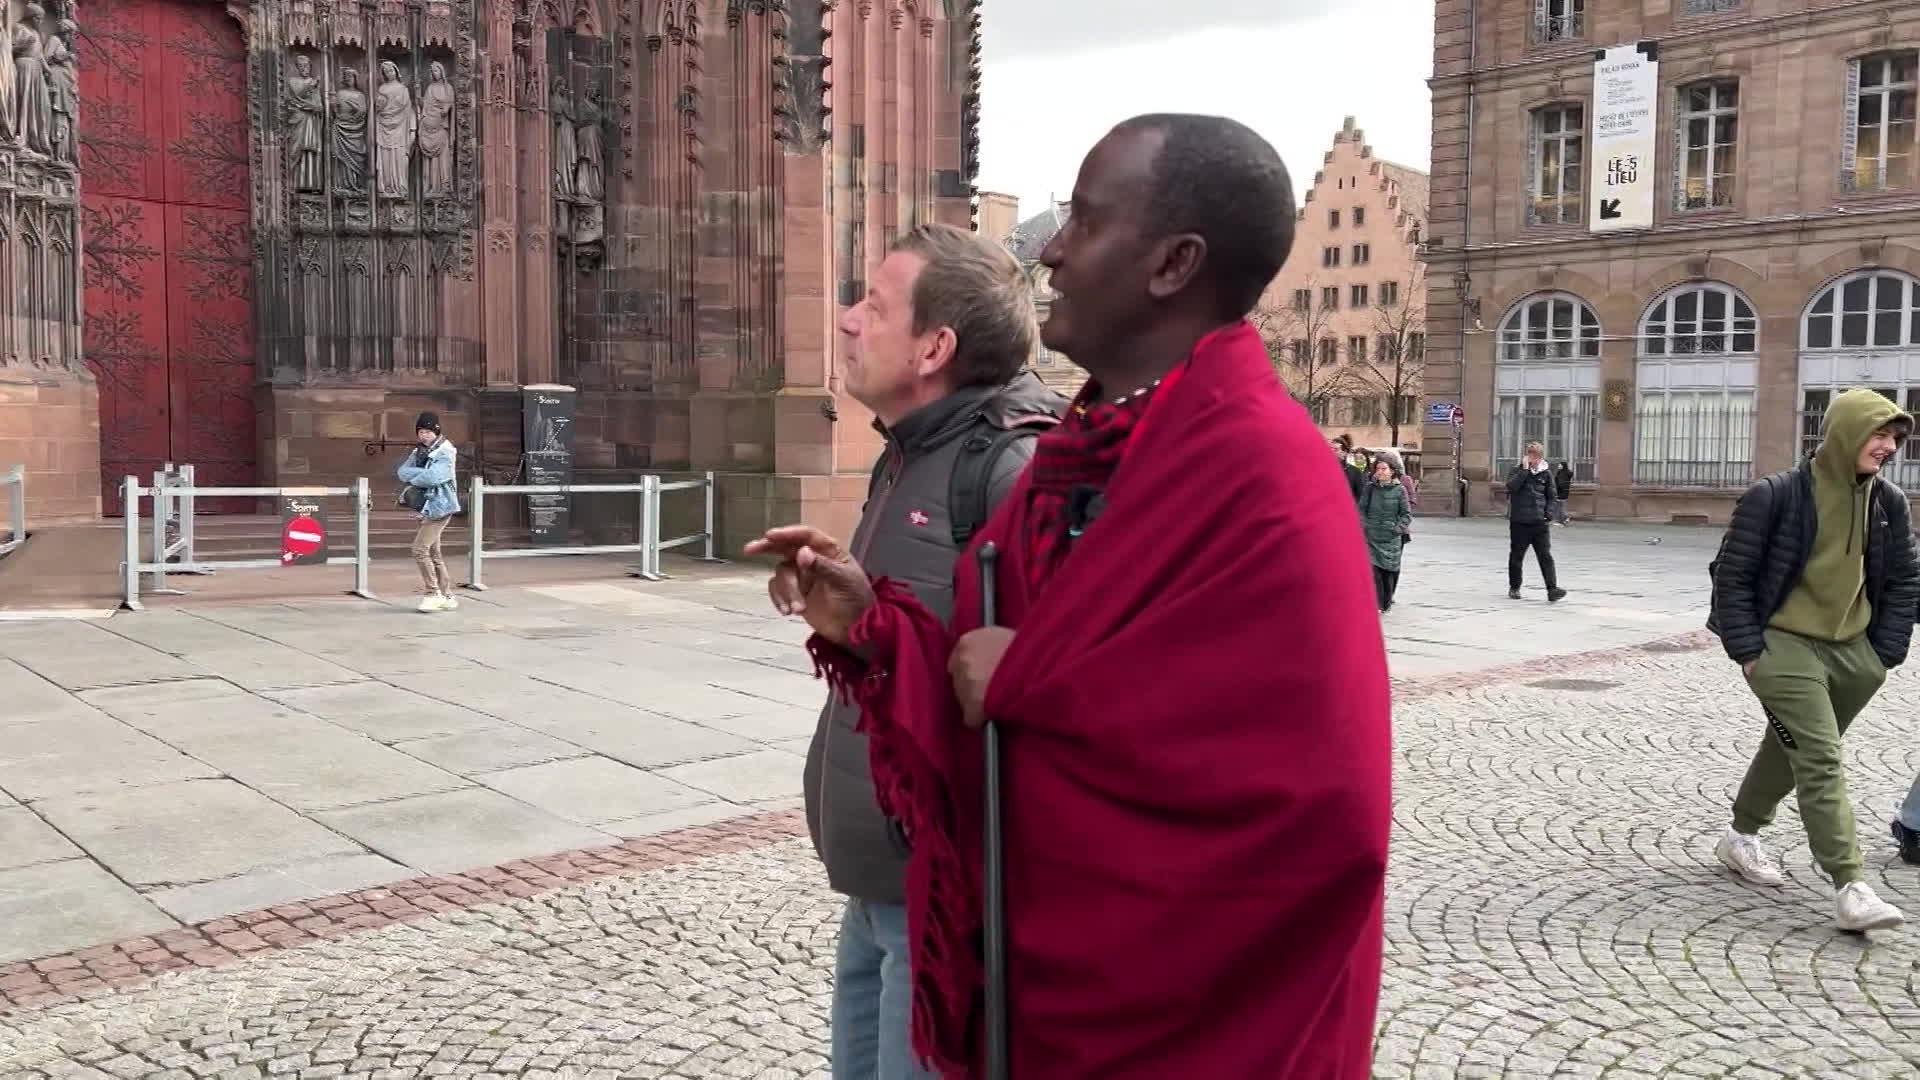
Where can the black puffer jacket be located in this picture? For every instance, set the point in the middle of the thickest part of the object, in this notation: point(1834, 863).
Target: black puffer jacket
point(1532, 497)
point(1766, 549)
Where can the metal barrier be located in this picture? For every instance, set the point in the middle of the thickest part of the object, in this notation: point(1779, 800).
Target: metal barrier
point(649, 546)
point(173, 517)
point(181, 493)
point(15, 481)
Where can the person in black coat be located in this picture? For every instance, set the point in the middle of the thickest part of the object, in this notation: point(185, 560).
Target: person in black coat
point(1563, 481)
point(1533, 505)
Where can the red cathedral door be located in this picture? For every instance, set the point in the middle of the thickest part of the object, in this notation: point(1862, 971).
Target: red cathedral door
point(168, 246)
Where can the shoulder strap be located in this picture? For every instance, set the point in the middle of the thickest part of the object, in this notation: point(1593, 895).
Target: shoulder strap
point(970, 487)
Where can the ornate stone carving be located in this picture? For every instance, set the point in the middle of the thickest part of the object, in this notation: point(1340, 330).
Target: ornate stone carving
point(395, 126)
point(32, 103)
point(306, 121)
point(589, 183)
point(566, 145)
point(436, 134)
point(63, 90)
point(350, 135)
point(801, 111)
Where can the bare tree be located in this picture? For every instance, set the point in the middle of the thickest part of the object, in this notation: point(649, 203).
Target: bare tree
point(1399, 364)
point(1296, 334)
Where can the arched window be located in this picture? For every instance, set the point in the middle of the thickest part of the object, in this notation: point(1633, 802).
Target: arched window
point(1862, 330)
point(1547, 382)
point(1696, 371)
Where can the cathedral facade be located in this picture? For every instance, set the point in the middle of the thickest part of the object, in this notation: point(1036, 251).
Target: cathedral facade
point(262, 237)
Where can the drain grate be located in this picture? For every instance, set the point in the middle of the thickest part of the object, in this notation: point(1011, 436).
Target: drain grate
point(1586, 686)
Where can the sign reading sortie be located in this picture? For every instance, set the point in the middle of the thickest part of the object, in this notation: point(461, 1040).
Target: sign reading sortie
point(303, 532)
point(1626, 85)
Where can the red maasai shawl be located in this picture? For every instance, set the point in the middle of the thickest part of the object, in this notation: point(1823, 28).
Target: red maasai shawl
point(1197, 789)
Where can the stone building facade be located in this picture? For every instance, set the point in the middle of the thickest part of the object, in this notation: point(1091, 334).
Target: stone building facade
point(1670, 363)
point(308, 220)
point(1027, 240)
point(1345, 318)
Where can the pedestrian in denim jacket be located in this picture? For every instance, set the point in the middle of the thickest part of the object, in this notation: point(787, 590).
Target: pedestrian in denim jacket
point(430, 468)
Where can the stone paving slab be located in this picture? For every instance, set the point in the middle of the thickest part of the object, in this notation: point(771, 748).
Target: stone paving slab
point(190, 832)
point(272, 886)
point(594, 790)
point(457, 830)
point(25, 840)
point(485, 751)
point(57, 906)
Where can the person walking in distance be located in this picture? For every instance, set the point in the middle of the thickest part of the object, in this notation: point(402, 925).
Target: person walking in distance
point(935, 350)
point(1814, 594)
point(1193, 875)
point(1533, 505)
point(1385, 518)
point(428, 472)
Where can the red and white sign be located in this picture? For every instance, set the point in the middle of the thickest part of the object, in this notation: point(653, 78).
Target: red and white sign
point(301, 538)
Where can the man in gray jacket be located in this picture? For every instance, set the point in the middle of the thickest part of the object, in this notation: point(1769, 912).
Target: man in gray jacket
point(935, 350)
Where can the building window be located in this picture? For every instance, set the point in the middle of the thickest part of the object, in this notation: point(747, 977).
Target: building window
point(1551, 326)
point(1696, 372)
point(1708, 132)
point(1867, 310)
point(1389, 293)
point(1319, 411)
point(1559, 165)
point(1366, 411)
point(1546, 382)
point(1387, 349)
point(1330, 298)
point(1357, 349)
point(1416, 346)
point(1359, 298)
point(1333, 219)
point(1329, 352)
point(1302, 299)
point(1301, 356)
point(1406, 409)
point(1362, 254)
point(1878, 153)
point(1711, 7)
point(1559, 20)
point(1862, 330)
point(1330, 257)
point(1359, 216)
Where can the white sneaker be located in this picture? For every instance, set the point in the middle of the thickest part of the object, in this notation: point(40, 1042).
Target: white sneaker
point(1857, 908)
point(1745, 856)
point(448, 603)
point(432, 603)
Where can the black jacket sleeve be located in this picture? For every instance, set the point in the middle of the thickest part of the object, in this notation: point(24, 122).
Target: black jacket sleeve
point(1743, 558)
point(1516, 479)
point(1902, 593)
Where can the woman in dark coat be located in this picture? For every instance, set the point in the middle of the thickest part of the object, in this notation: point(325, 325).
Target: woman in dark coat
point(1563, 481)
point(1386, 521)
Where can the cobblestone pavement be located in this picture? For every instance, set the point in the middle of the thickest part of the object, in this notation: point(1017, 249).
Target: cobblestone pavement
point(1553, 909)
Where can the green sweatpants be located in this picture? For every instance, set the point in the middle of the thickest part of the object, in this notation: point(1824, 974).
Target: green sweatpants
point(1811, 691)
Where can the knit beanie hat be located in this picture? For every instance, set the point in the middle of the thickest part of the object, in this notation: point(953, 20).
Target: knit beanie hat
point(428, 422)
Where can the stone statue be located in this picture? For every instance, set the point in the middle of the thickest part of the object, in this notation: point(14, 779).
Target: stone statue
point(395, 125)
point(436, 143)
point(63, 89)
point(32, 106)
point(589, 182)
point(304, 126)
point(350, 135)
point(566, 154)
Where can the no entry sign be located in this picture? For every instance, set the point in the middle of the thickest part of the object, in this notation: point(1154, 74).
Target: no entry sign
point(303, 532)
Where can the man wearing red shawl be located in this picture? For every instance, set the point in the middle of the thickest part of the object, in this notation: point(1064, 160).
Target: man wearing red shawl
point(1196, 789)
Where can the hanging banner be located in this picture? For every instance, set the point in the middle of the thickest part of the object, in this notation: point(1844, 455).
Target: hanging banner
point(1626, 86)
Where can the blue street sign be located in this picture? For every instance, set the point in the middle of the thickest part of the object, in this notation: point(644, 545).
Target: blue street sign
point(1444, 412)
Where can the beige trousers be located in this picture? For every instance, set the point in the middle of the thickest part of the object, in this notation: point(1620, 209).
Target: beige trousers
point(428, 556)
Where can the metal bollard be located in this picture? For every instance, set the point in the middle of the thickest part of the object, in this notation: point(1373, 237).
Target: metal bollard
point(159, 529)
point(477, 521)
point(130, 569)
point(712, 497)
point(187, 556)
point(362, 548)
point(17, 503)
point(650, 528)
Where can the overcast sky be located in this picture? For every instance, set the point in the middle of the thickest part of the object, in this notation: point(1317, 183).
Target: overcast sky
point(1059, 73)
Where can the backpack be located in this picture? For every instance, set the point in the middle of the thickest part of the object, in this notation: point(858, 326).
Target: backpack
point(970, 485)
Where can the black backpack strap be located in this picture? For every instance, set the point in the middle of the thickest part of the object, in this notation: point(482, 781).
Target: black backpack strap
point(970, 488)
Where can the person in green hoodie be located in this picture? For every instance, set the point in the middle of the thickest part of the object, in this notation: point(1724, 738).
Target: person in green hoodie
point(1814, 596)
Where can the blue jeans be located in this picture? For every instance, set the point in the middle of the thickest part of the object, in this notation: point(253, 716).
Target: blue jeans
point(1910, 810)
point(873, 996)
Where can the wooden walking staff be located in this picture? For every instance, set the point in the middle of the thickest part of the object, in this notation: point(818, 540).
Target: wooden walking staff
point(996, 898)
